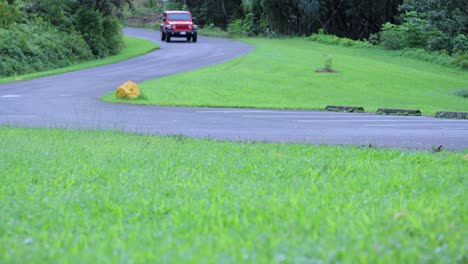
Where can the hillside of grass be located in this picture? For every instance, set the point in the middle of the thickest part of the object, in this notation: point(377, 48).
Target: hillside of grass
point(111, 197)
point(280, 73)
point(133, 47)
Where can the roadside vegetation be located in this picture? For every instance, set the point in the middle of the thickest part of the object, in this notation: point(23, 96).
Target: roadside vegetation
point(280, 73)
point(43, 35)
point(132, 47)
point(110, 197)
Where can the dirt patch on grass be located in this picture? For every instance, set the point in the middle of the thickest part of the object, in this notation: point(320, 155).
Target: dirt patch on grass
point(326, 71)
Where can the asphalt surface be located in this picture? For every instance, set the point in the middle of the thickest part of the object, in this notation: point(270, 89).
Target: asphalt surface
point(71, 100)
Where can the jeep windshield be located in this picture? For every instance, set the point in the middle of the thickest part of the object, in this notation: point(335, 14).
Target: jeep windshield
point(179, 16)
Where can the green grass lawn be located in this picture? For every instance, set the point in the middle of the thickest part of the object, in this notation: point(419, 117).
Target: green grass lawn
point(133, 47)
point(280, 74)
point(110, 197)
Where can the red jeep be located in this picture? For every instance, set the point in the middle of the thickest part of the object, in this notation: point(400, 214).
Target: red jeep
point(178, 24)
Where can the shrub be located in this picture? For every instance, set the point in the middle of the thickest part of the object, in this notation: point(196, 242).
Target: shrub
point(42, 35)
point(213, 31)
point(391, 37)
point(103, 34)
point(112, 34)
point(462, 92)
point(334, 40)
point(374, 39)
point(9, 14)
point(460, 44)
point(434, 57)
point(244, 27)
point(29, 48)
point(89, 24)
point(237, 28)
point(414, 31)
point(411, 34)
point(328, 63)
point(461, 60)
point(439, 42)
point(56, 12)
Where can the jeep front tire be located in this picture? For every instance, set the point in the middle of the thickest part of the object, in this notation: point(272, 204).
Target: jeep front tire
point(163, 36)
point(194, 38)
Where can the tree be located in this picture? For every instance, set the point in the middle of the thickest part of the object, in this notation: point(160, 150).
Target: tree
point(346, 18)
point(434, 25)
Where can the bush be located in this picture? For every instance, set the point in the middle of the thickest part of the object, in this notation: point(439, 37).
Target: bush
point(434, 57)
point(89, 24)
point(55, 12)
point(460, 44)
point(374, 39)
point(328, 63)
point(103, 35)
point(112, 33)
point(47, 34)
point(461, 60)
point(391, 37)
point(213, 31)
point(439, 42)
point(238, 29)
point(462, 92)
point(29, 48)
point(334, 40)
point(414, 31)
point(9, 14)
point(411, 34)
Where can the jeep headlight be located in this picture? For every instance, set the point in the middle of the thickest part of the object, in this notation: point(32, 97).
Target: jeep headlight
point(168, 27)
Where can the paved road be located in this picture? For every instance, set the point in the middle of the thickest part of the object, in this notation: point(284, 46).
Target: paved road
point(71, 100)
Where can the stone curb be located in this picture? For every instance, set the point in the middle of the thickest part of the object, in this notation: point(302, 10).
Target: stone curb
point(457, 115)
point(402, 112)
point(339, 108)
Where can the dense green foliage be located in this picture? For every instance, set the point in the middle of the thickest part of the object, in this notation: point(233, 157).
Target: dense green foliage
point(132, 47)
point(334, 40)
point(280, 73)
point(109, 197)
point(42, 35)
point(345, 18)
point(433, 25)
point(30, 48)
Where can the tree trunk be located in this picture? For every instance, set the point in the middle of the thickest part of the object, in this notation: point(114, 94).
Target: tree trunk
point(225, 14)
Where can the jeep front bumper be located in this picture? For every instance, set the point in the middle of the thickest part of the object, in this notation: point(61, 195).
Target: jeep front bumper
point(181, 34)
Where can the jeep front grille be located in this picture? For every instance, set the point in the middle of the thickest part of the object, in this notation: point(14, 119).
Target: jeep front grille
point(182, 26)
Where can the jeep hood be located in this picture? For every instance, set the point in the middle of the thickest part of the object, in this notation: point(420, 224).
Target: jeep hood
point(179, 22)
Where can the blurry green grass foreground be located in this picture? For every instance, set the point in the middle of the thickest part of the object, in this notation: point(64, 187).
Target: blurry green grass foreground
point(110, 197)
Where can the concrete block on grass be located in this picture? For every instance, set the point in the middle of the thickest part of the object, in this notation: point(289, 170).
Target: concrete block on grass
point(339, 108)
point(457, 115)
point(402, 112)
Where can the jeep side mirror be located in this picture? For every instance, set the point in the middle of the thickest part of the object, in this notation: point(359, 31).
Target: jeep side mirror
point(193, 19)
point(164, 19)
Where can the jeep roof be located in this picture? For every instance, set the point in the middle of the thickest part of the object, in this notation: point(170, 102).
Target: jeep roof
point(171, 12)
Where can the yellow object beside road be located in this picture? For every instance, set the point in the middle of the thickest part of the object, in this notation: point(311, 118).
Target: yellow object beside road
point(128, 90)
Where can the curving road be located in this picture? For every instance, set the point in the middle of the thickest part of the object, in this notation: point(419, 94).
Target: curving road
point(71, 101)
